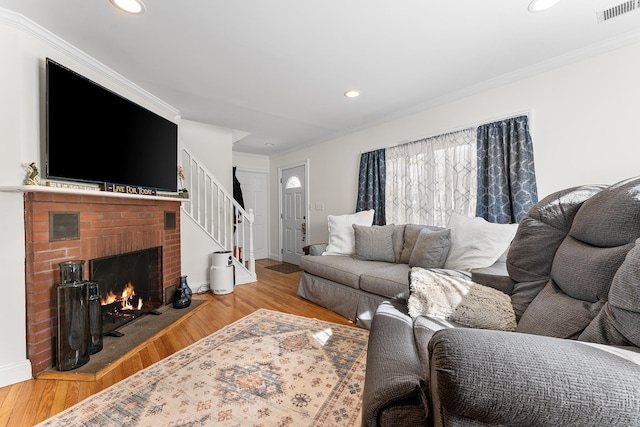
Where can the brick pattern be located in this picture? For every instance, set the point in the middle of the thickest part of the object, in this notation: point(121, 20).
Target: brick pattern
point(108, 226)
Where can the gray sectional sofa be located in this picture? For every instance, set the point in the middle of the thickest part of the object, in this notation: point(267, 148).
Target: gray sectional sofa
point(354, 285)
point(574, 357)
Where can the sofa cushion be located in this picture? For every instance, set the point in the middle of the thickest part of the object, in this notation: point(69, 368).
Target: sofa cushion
point(459, 300)
point(603, 232)
point(431, 249)
point(539, 235)
point(611, 217)
point(341, 236)
point(555, 314)
point(374, 243)
point(398, 241)
point(619, 322)
point(476, 243)
point(341, 269)
point(411, 233)
point(391, 281)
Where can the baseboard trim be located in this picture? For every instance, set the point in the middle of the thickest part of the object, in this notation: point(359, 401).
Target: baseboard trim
point(15, 373)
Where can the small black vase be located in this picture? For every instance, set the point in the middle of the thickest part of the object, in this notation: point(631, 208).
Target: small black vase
point(182, 297)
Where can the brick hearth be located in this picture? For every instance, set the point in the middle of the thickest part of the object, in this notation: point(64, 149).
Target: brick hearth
point(108, 226)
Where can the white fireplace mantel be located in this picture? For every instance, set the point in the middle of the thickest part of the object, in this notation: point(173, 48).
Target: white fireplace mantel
point(86, 192)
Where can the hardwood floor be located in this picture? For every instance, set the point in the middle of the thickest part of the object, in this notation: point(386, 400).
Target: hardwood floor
point(30, 402)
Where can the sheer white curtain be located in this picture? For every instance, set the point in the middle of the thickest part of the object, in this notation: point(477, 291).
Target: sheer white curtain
point(430, 178)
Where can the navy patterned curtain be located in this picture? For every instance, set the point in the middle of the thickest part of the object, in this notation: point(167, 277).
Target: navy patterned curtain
point(371, 184)
point(506, 176)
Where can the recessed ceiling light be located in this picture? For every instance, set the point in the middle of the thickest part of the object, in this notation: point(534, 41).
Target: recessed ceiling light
point(130, 6)
point(352, 94)
point(269, 144)
point(540, 5)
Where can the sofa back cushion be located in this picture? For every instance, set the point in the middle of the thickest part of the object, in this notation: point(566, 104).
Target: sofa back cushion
point(398, 241)
point(618, 323)
point(604, 229)
point(537, 240)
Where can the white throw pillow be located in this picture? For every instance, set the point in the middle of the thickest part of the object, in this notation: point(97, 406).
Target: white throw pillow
point(477, 243)
point(459, 300)
point(341, 235)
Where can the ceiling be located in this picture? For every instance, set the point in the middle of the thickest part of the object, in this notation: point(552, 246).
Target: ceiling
point(278, 69)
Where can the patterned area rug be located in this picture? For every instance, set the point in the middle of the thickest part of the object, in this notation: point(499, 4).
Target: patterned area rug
point(285, 268)
point(266, 369)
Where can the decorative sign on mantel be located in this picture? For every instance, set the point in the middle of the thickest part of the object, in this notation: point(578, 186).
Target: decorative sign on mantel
point(128, 189)
point(55, 184)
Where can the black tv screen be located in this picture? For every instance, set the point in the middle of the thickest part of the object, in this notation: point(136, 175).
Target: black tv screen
point(95, 135)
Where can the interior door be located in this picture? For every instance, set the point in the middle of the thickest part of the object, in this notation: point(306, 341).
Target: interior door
point(293, 213)
point(254, 193)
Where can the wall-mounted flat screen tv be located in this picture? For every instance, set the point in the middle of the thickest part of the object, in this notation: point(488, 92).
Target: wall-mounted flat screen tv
point(97, 136)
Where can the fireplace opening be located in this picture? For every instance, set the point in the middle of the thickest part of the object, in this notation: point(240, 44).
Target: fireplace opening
point(130, 286)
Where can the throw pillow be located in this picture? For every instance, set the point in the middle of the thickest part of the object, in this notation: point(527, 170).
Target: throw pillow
point(477, 243)
point(411, 233)
point(431, 249)
point(341, 236)
point(462, 301)
point(374, 243)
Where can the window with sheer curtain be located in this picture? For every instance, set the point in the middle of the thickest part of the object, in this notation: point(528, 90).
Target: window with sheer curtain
point(428, 179)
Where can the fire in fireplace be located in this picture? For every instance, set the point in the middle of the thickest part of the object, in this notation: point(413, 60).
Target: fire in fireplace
point(130, 286)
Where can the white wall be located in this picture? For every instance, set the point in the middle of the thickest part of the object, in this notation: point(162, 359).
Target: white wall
point(583, 123)
point(20, 122)
point(211, 145)
point(251, 161)
point(14, 365)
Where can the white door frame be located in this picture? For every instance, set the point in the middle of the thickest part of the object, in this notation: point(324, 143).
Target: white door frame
point(267, 213)
point(304, 163)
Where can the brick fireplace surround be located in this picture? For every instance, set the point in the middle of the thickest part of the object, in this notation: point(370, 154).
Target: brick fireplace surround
point(108, 226)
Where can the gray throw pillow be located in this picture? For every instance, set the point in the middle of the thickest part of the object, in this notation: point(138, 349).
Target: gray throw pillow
point(431, 249)
point(374, 243)
point(411, 232)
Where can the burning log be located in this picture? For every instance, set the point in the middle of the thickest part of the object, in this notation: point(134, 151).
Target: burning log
point(124, 306)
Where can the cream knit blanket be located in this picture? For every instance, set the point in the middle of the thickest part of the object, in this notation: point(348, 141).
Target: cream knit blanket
point(462, 301)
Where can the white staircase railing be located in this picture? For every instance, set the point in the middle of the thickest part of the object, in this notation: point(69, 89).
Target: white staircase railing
point(217, 213)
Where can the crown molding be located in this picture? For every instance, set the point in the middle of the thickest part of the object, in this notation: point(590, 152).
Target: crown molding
point(24, 24)
point(567, 59)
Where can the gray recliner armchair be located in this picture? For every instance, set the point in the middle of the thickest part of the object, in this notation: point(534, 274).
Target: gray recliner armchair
point(574, 359)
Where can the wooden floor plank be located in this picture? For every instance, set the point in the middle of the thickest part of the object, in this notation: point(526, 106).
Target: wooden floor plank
point(11, 394)
point(31, 402)
point(59, 402)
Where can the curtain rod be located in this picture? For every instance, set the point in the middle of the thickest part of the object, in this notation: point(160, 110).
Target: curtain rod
point(457, 129)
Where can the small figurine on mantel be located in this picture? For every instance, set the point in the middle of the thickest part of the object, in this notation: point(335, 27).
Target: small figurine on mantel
point(33, 175)
point(182, 190)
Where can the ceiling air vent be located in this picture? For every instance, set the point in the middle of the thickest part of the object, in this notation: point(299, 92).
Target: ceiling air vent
point(615, 11)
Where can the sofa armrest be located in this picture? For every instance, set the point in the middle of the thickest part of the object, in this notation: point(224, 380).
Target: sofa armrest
point(394, 375)
point(495, 276)
point(315, 249)
point(518, 379)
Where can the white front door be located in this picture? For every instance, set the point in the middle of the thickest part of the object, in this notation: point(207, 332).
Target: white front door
point(293, 213)
point(255, 195)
